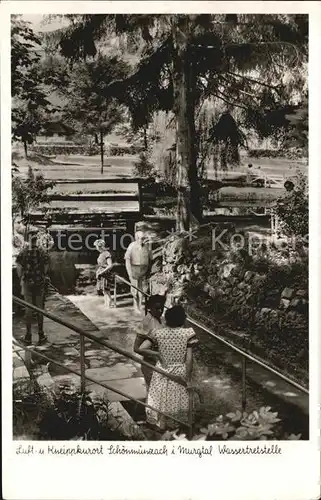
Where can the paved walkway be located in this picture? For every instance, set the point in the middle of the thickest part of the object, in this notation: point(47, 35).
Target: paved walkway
point(102, 364)
point(216, 368)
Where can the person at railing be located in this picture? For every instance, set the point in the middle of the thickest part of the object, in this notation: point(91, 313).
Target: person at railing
point(174, 345)
point(105, 279)
point(152, 321)
point(32, 269)
point(138, 259)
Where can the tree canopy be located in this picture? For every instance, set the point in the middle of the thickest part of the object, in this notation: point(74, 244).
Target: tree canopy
point(30, 104)
point(255, 64)
point(225, 53)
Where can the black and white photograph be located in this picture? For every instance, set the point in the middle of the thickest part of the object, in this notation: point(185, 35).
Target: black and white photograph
point(160, 227)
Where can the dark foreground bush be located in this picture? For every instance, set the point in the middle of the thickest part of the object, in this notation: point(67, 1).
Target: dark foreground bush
point(61, 414)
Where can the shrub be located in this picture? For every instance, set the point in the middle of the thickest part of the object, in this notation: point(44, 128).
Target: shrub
point(63, 413)
point(63, 149)
point(116, 150)
point(277, 153)
point(293, 210)
point(143, 167)
point(29, 193)
point(262, 424)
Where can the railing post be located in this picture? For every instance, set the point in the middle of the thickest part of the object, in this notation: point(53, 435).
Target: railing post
point(115, 291)
point(82, 364)
point(190, 414)
point(243, 383)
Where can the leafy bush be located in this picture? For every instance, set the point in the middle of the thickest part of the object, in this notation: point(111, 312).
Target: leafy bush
point(124, 150)
point(259, 425)
point(73, 415)
point(223, 302)
point(29, 193)
point(56, 149)
point(293, 210)
point(276, 153)
point(63, 413)
point(143, 167)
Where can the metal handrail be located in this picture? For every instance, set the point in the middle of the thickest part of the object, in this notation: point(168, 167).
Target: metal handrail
point(245, 356)
point(239, 351)
point(111, 346)
point(249, 357)
point(105, 343)
point(102, 384)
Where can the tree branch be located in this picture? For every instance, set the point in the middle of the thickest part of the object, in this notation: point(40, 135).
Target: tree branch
point(227, 101)
point(265, 44)
point(249, 44)
point(250, 79)
point(239, 90)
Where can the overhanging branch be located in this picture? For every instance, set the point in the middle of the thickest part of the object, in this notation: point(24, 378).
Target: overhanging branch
point(253, 80)
point(225, 99)
point(250, 44)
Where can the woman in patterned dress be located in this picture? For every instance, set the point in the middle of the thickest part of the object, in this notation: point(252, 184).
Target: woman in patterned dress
point(104, 279)
point(175, 356)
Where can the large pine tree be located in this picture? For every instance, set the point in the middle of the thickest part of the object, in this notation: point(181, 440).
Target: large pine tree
point(240, 59)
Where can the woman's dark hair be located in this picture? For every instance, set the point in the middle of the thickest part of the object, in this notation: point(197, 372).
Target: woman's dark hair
point(175, 316)
point(155, 299)
point(289, 185)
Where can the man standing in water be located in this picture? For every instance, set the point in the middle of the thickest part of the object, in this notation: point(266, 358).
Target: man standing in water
point(32, 269)
point(138, 259)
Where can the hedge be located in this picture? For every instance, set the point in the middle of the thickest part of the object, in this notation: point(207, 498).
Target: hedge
point(81, 149)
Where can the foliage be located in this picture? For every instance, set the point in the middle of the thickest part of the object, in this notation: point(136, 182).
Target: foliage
point(226, 131)
point(30, 104)
point(243, 44)
point(62, 149)
point(72, 415)
point(262, 424)
point(231, 290)
point(29, 404)
point(90, 108)
point(182, 60)
point(62, 413)
point(293, 210)
point(294, 153)
point(298, 133)
point(140, 138)
point(144, 168)
point(29, 193)
point(121, 150)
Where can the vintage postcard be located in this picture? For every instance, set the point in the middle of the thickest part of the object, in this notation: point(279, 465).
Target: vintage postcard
point(160, 215)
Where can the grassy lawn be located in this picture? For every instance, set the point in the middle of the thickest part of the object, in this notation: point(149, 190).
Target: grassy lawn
point(95, 188)
point(76, 166)
point(275, 165)
point(68, 167)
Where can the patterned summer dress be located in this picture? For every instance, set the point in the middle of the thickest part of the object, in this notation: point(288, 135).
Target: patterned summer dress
point(164, 394)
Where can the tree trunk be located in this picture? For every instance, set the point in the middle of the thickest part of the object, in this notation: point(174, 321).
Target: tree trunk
point(145, 139)
point(102, 152)
point(188, 202)
point(25, 146)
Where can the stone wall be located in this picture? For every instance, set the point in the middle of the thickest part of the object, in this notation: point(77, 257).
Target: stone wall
point(250, 302)
point(275, 297)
